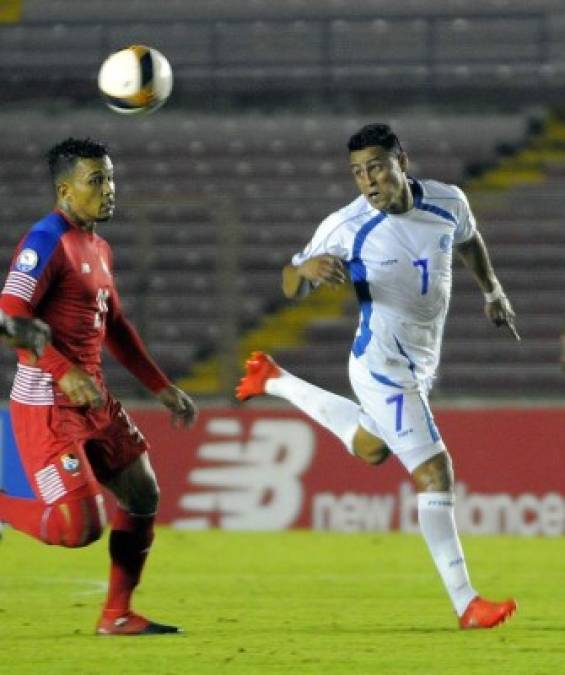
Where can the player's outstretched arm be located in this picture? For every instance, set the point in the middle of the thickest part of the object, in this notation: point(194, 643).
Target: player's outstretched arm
point(498, 309)
point(181, 405)
point(324, 269)
point(25, 333)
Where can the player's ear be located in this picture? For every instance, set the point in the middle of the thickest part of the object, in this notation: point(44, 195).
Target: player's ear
point(403, 161)
point(62, 189)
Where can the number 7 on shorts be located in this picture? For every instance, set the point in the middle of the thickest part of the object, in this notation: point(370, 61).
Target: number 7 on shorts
point(399, 400)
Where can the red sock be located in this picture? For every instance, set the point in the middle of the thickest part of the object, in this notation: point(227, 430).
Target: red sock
point(130, 541)
point(74, 521)
point(25, 515)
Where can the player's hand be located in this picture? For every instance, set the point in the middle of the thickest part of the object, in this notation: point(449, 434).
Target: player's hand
point(500, 312)
point(24, 333)
point(80, 388)
point(323, 269)
point(183, 408)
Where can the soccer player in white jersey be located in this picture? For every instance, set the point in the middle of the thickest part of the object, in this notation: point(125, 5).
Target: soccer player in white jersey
point(396, 241)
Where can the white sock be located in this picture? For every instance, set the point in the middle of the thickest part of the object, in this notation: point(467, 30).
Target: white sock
point(437, 523)
point(336, 413)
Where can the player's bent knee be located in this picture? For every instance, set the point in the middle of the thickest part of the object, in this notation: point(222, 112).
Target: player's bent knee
point(370, 448)
point(143, 501)
point(76, 523)
point(435, 474)
point(373, 456)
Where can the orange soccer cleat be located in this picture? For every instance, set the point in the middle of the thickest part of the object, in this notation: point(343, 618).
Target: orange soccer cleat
point(131, 624)
point(481, 613)
point(259, 367)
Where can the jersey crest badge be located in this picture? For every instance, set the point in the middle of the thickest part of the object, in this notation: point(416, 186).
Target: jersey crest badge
point(85, 268)
point(445, 242)
point(70, 462)
point(27, 260)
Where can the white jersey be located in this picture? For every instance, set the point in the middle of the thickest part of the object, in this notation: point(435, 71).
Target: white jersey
point(400, 265)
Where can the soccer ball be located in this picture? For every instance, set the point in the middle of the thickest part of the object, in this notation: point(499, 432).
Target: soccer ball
point(135, 80)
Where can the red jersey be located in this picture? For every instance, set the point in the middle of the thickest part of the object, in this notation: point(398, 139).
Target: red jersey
point(62, 274)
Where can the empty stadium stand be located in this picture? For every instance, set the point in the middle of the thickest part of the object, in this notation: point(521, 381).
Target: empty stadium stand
point(257, 48)
point(276, 177)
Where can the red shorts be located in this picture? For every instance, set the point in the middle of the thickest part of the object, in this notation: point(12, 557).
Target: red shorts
point(63, 449)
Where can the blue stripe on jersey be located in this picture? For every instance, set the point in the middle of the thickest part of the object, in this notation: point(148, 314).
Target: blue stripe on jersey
point(418, 195)
point(411, 364)
point(442, 213)
point(434, 433)
point(383, 379)
point(358, 274)
point(43, 238)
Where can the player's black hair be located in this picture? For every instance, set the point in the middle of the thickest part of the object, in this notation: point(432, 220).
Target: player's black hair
point(62, 156)
point(380, 135)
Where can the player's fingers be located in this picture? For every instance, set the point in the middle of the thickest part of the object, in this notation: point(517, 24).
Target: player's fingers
point(340, 277)
point(184, 412)
point(333, 280)
point(95, 402)
point(183, 419)
point(330, 263)
point(189, 416)
point(332, 274)
point(92, 395)
point(337, 264)
point(506, 319)
point(77, 397)
point(506, 316)
point(500, 314)
point(338, 272)
point(512, 329)
point(39, 344)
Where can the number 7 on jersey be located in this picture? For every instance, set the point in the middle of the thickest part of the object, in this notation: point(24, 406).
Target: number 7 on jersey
point(422, 263)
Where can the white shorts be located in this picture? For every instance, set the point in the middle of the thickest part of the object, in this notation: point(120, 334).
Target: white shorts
point(400, 416)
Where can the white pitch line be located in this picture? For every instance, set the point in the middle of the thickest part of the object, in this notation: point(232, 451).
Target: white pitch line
point(96, 586)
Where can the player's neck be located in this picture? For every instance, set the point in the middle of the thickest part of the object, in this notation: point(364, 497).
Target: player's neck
point(73, 219)
point(404, 203)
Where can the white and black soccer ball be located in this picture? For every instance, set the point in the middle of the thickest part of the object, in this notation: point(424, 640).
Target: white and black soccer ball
point(135, 80)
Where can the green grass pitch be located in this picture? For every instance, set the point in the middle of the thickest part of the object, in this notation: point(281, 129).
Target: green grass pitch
point(300, 603)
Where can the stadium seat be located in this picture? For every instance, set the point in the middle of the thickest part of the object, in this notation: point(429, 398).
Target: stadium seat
point(278, 176)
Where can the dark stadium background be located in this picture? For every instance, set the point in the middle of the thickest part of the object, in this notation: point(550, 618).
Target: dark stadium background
point(217, 189)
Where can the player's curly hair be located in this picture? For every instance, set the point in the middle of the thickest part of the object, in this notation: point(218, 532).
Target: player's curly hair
point(380, 135)
point(62, 156)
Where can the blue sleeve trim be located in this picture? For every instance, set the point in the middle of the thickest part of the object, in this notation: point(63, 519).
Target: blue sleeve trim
point(438, 211)
point(418, 195)
point(39, 245)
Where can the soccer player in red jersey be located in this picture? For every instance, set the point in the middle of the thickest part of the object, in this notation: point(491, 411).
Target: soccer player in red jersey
point(72, 435)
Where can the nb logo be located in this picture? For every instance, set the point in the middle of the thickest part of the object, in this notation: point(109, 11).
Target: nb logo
point(253, 484)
